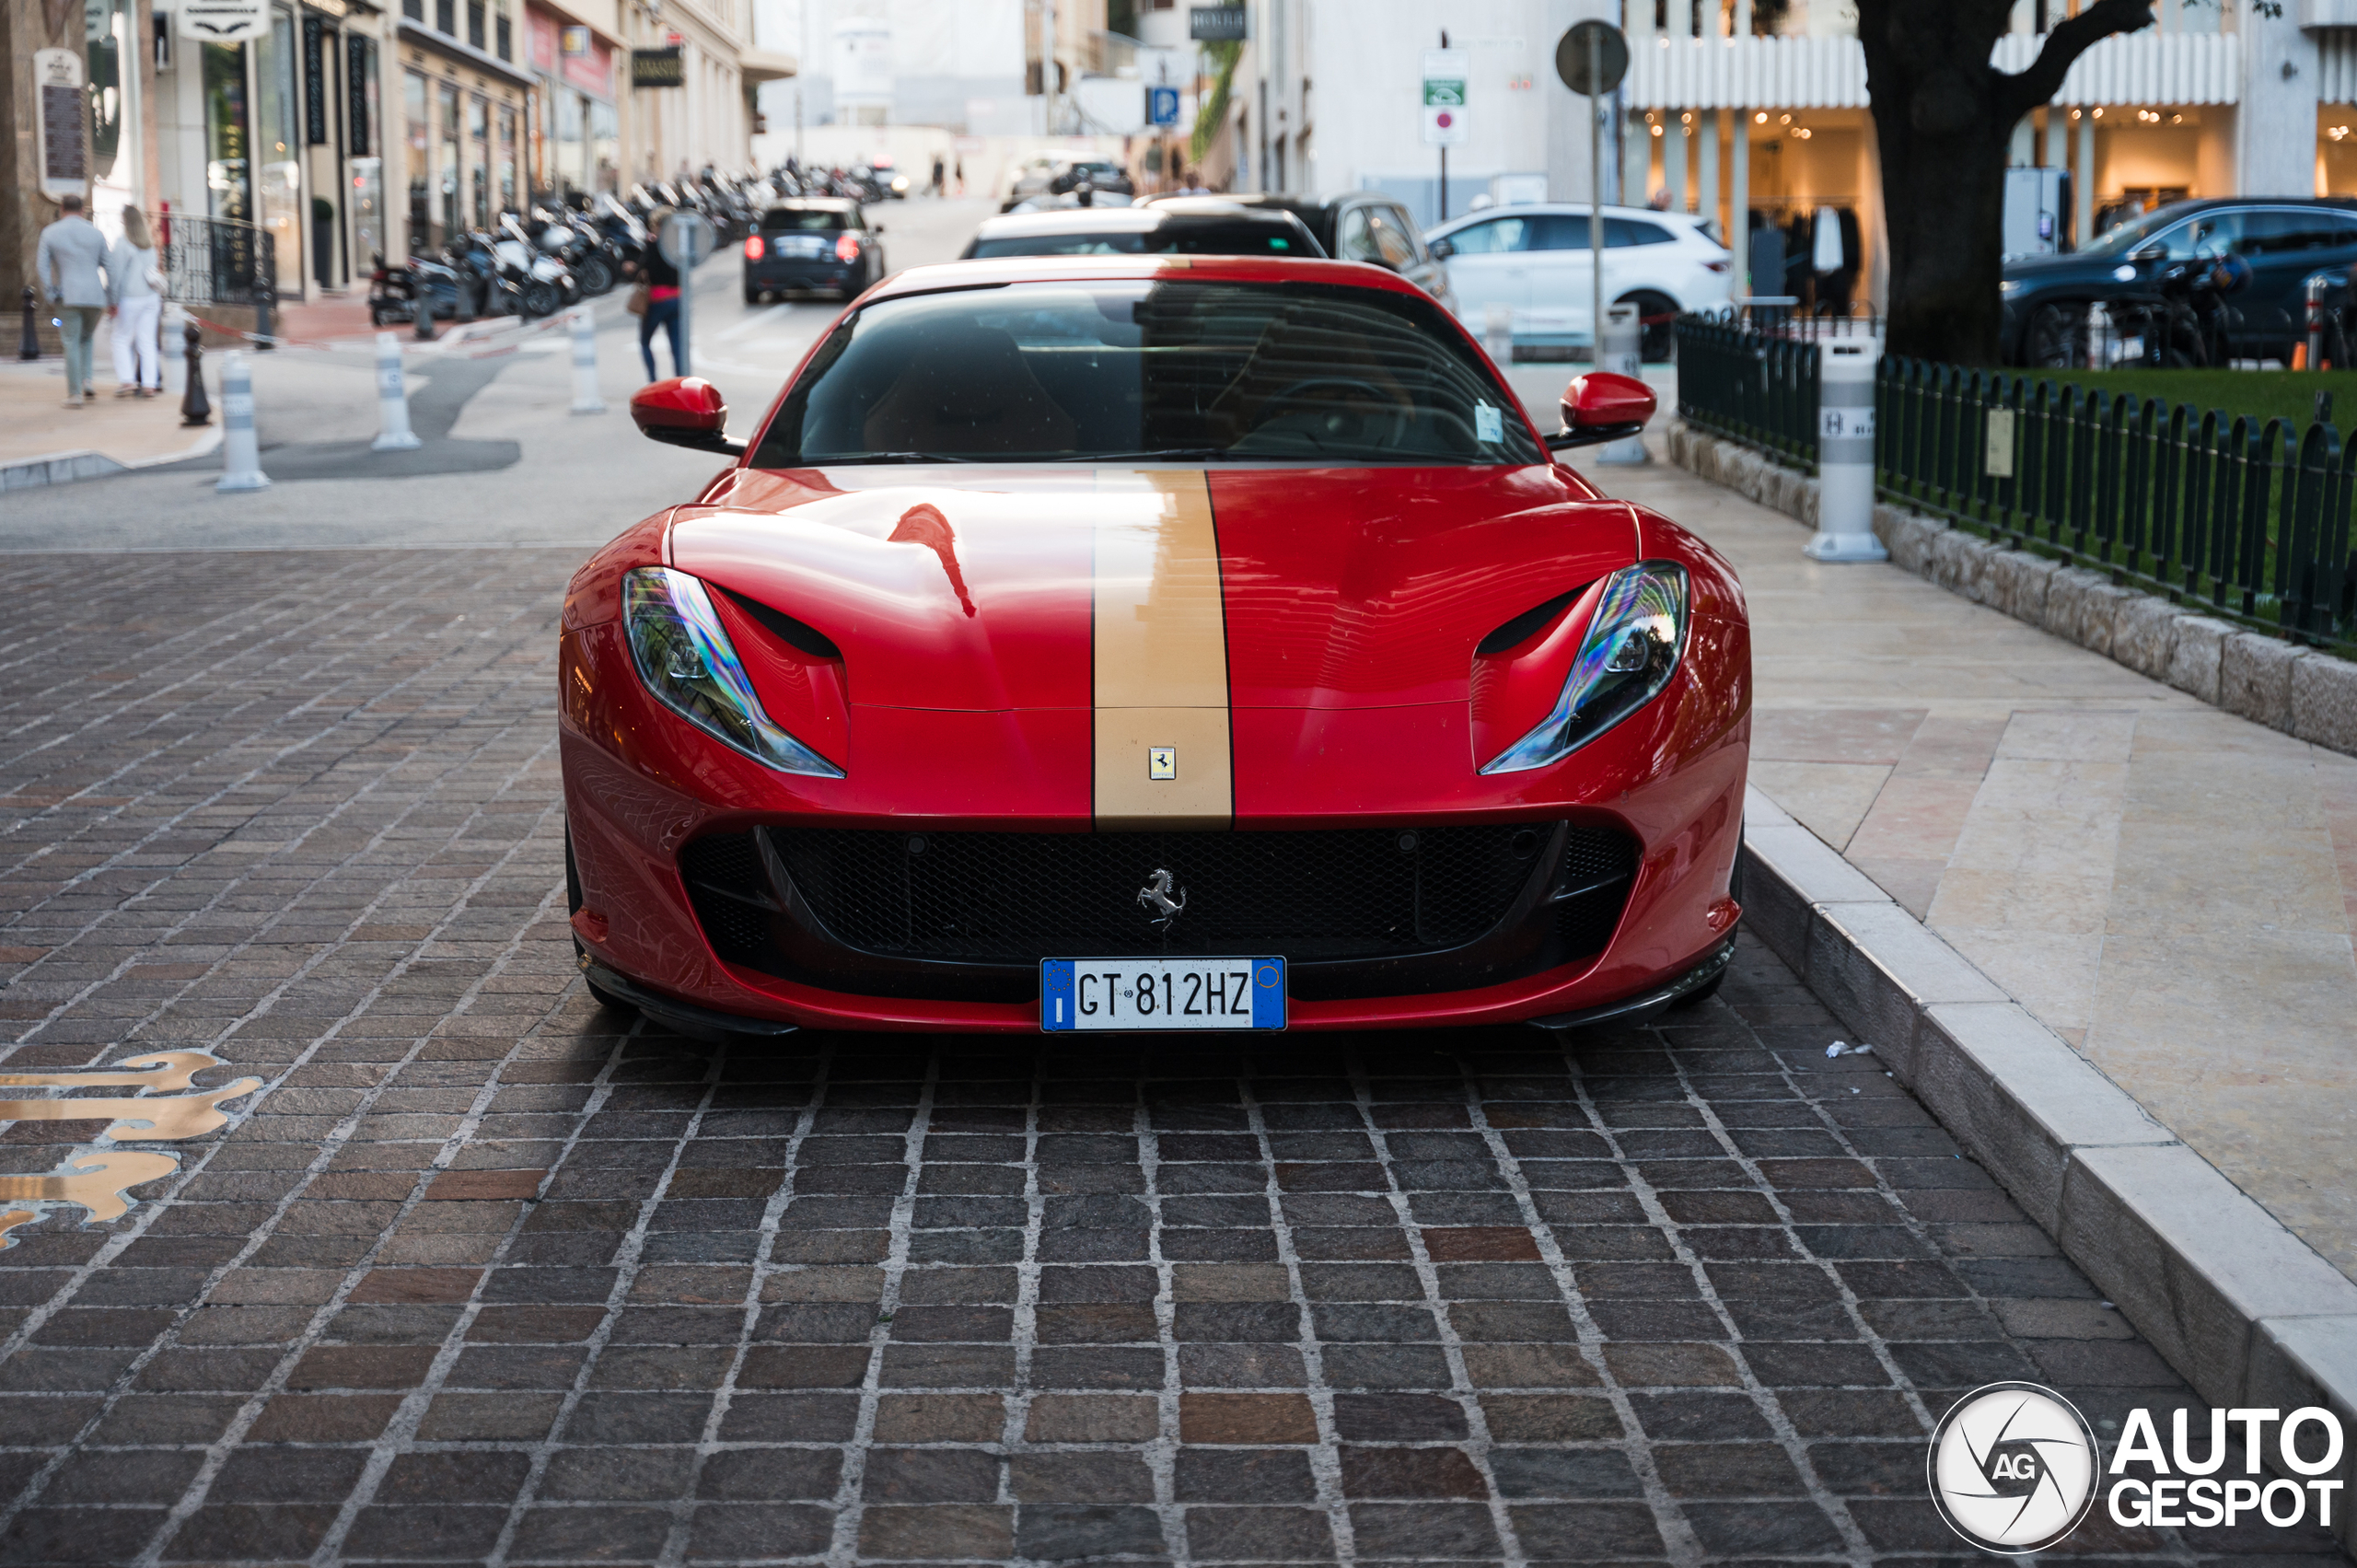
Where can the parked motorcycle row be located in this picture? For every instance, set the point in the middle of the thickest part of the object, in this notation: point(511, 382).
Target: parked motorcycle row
point(537, 263)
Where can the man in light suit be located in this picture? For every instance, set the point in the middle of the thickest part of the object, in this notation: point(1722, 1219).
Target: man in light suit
point(72, 264)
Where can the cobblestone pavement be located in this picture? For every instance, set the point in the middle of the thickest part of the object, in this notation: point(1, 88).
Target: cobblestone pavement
point(487, 1274)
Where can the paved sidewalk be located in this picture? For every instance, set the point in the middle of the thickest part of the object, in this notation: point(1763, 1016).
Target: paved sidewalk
point(2170, 887)
point(35, 424)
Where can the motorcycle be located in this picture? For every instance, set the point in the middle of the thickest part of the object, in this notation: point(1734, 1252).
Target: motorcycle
point(543, 284)
point(395, 292)
point(580, 246)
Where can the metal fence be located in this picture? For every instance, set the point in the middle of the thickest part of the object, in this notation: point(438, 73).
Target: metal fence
point(2240, 516)
point(1751, 377)
point(218, 262)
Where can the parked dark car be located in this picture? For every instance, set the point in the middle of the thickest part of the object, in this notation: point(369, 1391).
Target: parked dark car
point(2282, 240)
point(1357, 225)
point(1206, 227)
point(812, 245)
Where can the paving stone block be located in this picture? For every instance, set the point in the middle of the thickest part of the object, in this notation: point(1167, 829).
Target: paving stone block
point(2196, 656)
point(2193, 1262)
point(2324, 701)
point(1876, 968)
point(2255, 678)
point(2019, 1099)
point(2143, 633)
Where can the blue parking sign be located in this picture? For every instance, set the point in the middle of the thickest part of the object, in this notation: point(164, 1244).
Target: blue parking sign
point(1162, 106)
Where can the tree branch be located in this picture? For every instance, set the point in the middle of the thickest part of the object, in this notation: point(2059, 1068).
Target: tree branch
point(2017, 95)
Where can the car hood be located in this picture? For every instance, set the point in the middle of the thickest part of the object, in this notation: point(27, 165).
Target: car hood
point(1006, 588)
point(2035, 270)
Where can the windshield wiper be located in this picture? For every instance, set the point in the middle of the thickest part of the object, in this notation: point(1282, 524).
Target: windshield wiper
point(1181, 454)
point(850, 459)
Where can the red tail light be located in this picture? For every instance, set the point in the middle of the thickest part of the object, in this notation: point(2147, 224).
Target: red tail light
point(754, 249)
point(847, 248)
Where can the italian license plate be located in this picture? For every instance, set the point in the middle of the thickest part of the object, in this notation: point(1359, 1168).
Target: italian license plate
point(1162, 993)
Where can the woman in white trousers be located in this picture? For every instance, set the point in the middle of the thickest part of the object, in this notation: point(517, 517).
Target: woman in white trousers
point(136, 302)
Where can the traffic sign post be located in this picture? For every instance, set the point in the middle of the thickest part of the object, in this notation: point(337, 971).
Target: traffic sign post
point(1446, 72)
point(686, 241)
point(1591, 59)
point(1162, 106)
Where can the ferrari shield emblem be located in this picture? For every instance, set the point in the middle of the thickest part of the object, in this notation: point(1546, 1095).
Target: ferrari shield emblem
point(1162, 761)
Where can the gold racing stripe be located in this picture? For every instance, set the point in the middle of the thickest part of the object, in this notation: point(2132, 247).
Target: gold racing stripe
point(1160, 652)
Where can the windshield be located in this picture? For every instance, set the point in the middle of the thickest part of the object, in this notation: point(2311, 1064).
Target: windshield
point(1137, 370)
point(1184, 239)
point(2128, 236)
point(788, 218)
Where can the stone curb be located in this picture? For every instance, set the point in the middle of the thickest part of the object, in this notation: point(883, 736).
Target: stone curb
point(2246, 1311)
point(67, 468)
point(2307, 694)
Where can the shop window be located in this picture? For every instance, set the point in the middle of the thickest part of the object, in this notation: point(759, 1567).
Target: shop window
point(228, 170)
point(422, 234)
point(447, 175)
point(479, 159)
point(474, 23)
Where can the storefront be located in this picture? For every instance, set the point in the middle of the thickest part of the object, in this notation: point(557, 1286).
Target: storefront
point(463, 113)
point(577, 136)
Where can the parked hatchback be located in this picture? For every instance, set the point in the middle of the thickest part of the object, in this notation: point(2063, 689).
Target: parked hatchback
point(2284, 240)
point(815, 244)
point(1357, 225)
point(1534, 261)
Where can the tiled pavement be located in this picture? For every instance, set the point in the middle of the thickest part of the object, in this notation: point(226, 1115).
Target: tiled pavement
point(487, 1274)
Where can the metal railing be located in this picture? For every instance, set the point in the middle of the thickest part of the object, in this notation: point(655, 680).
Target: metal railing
point(1751, 375)
point(2244, 518)
point(218, 262)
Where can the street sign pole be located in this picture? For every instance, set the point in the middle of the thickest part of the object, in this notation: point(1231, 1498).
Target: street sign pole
point(1591, 59)
point(686, 239)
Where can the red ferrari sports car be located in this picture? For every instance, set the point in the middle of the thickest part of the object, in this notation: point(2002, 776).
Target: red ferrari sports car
point(1152, 643)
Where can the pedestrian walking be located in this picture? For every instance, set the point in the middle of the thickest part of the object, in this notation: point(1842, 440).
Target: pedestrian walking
point(940, 176)
point(135, 299)
point(70, 262)
point(661, 282)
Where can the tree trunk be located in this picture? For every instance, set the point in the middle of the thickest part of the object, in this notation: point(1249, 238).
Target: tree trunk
point(1943, 117)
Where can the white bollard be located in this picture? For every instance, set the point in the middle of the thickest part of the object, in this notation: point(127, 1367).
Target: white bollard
point(240, 451)
point(392, 399)
point(1622, 352)
point(172, 329)
point(1497, 332)
point(585, 362)
point(1845, 451)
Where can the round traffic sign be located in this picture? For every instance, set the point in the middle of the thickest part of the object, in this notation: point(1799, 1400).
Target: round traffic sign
point(686, 239)
point(1591, 58)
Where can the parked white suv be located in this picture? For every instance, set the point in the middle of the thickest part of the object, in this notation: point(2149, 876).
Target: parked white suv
point(1534, 259)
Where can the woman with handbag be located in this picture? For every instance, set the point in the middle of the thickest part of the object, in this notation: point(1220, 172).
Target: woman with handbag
point(656, 300)
point(135, 300)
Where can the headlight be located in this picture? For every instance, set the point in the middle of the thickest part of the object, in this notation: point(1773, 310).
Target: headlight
point(684, 655)
point(1628, 656)
point(2011, 287)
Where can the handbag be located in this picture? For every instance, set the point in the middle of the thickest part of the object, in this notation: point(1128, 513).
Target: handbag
point(637, 305)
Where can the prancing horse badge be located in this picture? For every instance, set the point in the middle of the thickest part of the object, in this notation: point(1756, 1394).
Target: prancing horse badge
point(1162, 761)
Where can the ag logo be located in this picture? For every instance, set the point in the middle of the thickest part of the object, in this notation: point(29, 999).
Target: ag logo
point(2013, 1468)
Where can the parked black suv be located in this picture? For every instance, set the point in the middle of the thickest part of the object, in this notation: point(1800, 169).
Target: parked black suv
point(2284, 240)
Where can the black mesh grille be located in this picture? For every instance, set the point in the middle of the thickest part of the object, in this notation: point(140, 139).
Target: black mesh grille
point(1015, 898)
point(1598, 868)
point(967, 916)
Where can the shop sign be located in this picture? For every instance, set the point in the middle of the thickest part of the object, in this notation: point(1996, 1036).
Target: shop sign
point(223, 22)
point(1215, 24)
point(97, 20)
point(657, 68)
point(65, 149)
point(576, 42)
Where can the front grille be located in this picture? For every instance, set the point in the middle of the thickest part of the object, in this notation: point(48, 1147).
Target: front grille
point(1362, 911)
point(1017, 898)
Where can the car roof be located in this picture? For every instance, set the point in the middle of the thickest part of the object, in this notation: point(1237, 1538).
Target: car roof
point(1000, 273)
point(1139, 219)
point(1565, 209)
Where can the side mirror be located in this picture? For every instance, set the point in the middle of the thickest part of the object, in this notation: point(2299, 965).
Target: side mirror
point(1599, 407)
point(685, 412)
point(2149, 253)
point(1441, 249)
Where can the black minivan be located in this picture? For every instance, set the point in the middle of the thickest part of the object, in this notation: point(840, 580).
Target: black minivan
point(2284, 240)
